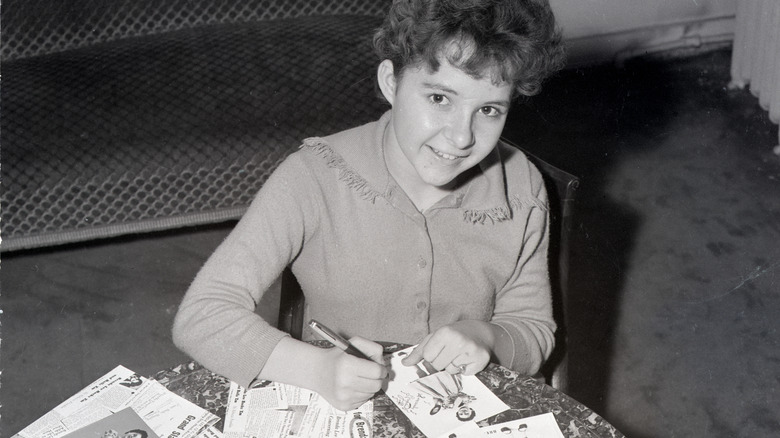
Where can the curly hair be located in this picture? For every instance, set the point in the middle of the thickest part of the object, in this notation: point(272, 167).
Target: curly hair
point(512, 41)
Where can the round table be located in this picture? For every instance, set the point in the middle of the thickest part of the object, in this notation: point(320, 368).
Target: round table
point(524, 395)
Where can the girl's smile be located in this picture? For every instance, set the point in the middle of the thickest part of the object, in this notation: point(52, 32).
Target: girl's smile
point(445, 155)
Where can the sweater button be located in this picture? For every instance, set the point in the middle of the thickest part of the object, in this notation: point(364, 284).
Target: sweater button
point(421, 305)
point(422, 263)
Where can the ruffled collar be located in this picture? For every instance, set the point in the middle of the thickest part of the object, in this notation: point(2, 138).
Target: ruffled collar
point(357, 155)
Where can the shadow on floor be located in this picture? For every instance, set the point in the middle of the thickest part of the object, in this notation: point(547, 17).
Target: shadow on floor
point(583, 121)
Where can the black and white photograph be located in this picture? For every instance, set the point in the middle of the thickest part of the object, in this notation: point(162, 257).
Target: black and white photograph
point(569, 206)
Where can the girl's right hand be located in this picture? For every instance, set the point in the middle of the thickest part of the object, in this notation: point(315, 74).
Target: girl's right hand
point(347, 381)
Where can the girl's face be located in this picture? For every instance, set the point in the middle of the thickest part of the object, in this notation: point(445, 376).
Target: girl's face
point(443, 122)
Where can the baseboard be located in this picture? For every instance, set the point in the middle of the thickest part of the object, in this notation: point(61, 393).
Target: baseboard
point(659, 38)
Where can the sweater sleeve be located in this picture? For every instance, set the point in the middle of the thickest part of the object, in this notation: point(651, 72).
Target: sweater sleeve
point(523, 306)
point(216, 323)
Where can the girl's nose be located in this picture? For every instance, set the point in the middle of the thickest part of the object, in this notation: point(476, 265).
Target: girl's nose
point(460, 132)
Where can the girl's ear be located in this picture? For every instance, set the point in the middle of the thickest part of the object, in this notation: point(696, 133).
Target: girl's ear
point(385, 76)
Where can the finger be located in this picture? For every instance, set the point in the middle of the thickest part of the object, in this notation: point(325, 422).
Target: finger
point(376, 370)
point(371, 349)
point(428, 367)
point(365, 388)
point(354, 384)
point(462, 364)
point(364, 369)
point(356, 403)
point(440, 349)
point(417, 353)
point(457, 369)
point(350, 403)
point(436, 353)
point(414, 357)
point(372, 371)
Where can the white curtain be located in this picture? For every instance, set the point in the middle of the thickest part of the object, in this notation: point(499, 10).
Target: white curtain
point(756, 56)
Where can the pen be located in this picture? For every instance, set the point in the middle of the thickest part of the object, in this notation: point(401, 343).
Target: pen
point(335, 339)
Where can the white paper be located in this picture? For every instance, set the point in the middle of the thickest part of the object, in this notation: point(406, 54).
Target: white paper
point(169, 415)
point(253, 413)
point(538, 426)
point(260, 412)
point(210, 432)
point(324, 421)
point(294, 395)
point(439, 403)
point(302, 414)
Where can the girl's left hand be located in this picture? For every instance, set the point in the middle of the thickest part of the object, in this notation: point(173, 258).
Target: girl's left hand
point(462, 347)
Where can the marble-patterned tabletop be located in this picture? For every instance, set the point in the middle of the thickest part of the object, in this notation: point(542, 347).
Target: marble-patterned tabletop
point(526, 396)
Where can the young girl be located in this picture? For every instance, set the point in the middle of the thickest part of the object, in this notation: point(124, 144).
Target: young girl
point(419, 228)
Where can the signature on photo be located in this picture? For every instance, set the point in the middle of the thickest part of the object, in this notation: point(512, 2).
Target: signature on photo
point(447, 392)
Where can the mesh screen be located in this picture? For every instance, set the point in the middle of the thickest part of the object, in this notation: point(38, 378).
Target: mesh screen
point(34, 27)
point(147, 129)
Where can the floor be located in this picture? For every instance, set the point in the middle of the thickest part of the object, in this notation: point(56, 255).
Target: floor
point(675, 264)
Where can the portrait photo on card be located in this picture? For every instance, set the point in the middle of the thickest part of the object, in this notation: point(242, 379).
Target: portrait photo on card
point(121, 424)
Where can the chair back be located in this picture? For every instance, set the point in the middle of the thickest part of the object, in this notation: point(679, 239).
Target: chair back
point(291, 305)
point(561, 190)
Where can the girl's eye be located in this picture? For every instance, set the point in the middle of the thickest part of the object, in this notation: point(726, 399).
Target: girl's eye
point(438, 99)
point(490, 111)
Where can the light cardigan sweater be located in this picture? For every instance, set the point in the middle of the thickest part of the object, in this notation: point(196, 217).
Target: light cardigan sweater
point(370, 263)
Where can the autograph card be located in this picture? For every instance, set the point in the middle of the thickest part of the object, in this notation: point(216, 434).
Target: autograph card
point(538, 426)
point(439, 403)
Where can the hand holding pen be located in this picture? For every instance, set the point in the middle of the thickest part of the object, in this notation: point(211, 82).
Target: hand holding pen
point(329, 335)
point(349, 380)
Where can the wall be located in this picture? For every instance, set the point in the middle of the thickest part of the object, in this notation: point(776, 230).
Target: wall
point(605, 30)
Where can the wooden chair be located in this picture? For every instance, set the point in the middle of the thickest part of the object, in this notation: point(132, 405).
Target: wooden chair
point(561, 188)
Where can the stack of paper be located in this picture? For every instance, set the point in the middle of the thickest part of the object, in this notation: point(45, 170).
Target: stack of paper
point(122, 404)
point(110, 397)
